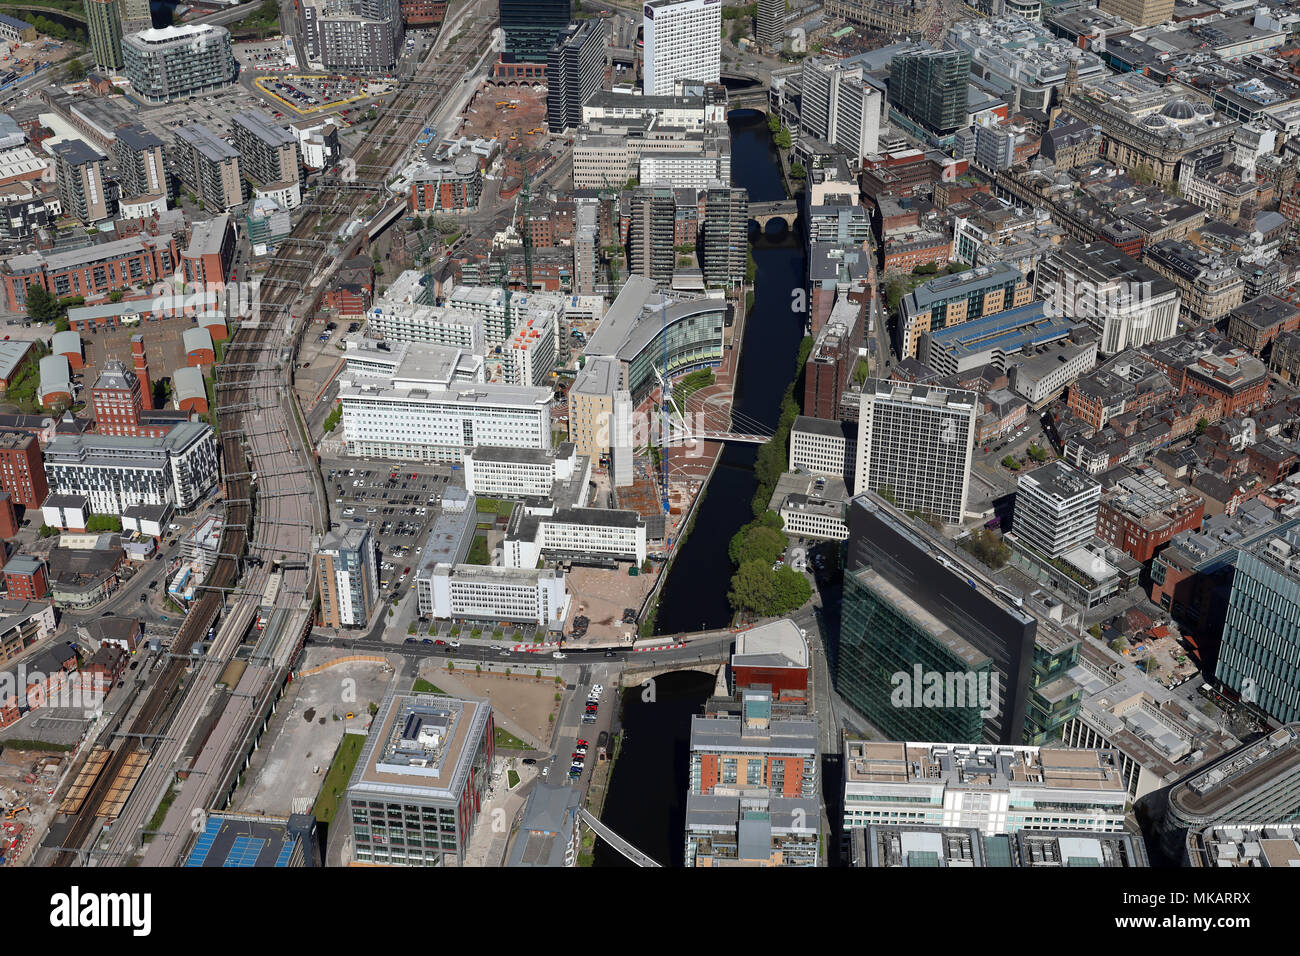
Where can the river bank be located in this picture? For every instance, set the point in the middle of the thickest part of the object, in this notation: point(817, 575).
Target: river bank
point(646, 798)
point(694, 595)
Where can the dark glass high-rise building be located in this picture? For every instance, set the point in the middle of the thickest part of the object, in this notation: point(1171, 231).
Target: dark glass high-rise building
point(930, 648)
point(930, 87)
point(532, 27)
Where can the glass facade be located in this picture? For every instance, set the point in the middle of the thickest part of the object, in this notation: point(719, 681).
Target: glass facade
point(688, 342)
point(931, 88)
point(531, 28)
point(1261, 636)
point(1053, 697)
point(877, 644)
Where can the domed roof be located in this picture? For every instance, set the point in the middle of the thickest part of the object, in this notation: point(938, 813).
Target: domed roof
point(1203, 109)
point(1178, 110)
point(1155, 120)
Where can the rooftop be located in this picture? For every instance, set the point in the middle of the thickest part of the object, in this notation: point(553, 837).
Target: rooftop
point(982, 766)
point(775, 644)
point(421, 745)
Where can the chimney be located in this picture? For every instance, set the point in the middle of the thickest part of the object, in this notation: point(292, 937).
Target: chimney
point(142, 371)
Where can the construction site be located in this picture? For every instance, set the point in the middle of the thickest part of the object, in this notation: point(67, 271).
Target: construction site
point(514, 115)
point(27, 782)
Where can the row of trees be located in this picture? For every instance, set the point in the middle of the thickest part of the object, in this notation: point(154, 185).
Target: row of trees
point(755, 587)
point(772, 458)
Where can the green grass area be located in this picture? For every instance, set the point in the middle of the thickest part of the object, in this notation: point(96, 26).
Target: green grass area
point(508, 741)
point(422, 686)
point(262, 22)
point(159, 815)
point(587, 853)
point(495, 506)
point(478, 552)
point(333, 418)
point(688, 385)
point(336, 780)
point(20, 744)
point(512, 779)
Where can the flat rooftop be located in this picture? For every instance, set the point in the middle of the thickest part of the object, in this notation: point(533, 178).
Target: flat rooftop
point(420, 746)
point(981, 766)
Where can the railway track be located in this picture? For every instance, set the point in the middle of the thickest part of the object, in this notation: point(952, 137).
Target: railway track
point(297, 262)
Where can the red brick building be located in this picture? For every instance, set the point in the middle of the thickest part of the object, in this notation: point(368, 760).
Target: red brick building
point(8, 517)
point(199, 348)
point(207, 259)
point(140, 361)
point(904, 252)
point(423, 13)
point(903, 171)
point(105, 668)
point(25, 578)
point(1142, 512)
point(832, 360)
point(91, 272)
point(353, 287)
point(22, 468)
point(118, 400)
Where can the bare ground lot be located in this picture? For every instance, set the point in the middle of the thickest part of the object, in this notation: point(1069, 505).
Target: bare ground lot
point(520, 705)
point(601, 594)
point(304, 732)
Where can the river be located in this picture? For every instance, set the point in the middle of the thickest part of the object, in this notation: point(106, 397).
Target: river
point(695, 594)
point(647, 797)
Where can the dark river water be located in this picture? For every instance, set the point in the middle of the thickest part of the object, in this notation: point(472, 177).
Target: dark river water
point(647, 798)
point(695, 595)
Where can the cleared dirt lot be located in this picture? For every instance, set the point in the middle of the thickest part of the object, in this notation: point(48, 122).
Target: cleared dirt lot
point(602, 594)
point(304, 732)
point(482, 117)
point(162, 344)
point(520, 705)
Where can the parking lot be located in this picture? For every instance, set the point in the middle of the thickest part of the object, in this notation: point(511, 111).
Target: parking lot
point(270, 55)
point(399, 503)
point(305, 94)
point(213, 111)
point(162, 341)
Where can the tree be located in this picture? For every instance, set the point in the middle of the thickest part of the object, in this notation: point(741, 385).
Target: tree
point(861, 372)
point(797, 171)
point(756, 543)
point(791, 591)
point(76, 71)
point(101, 523)
point(1202, 425)
point(988, 547)
point(1038, 454)
point(752, 587)
point(41, 305)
